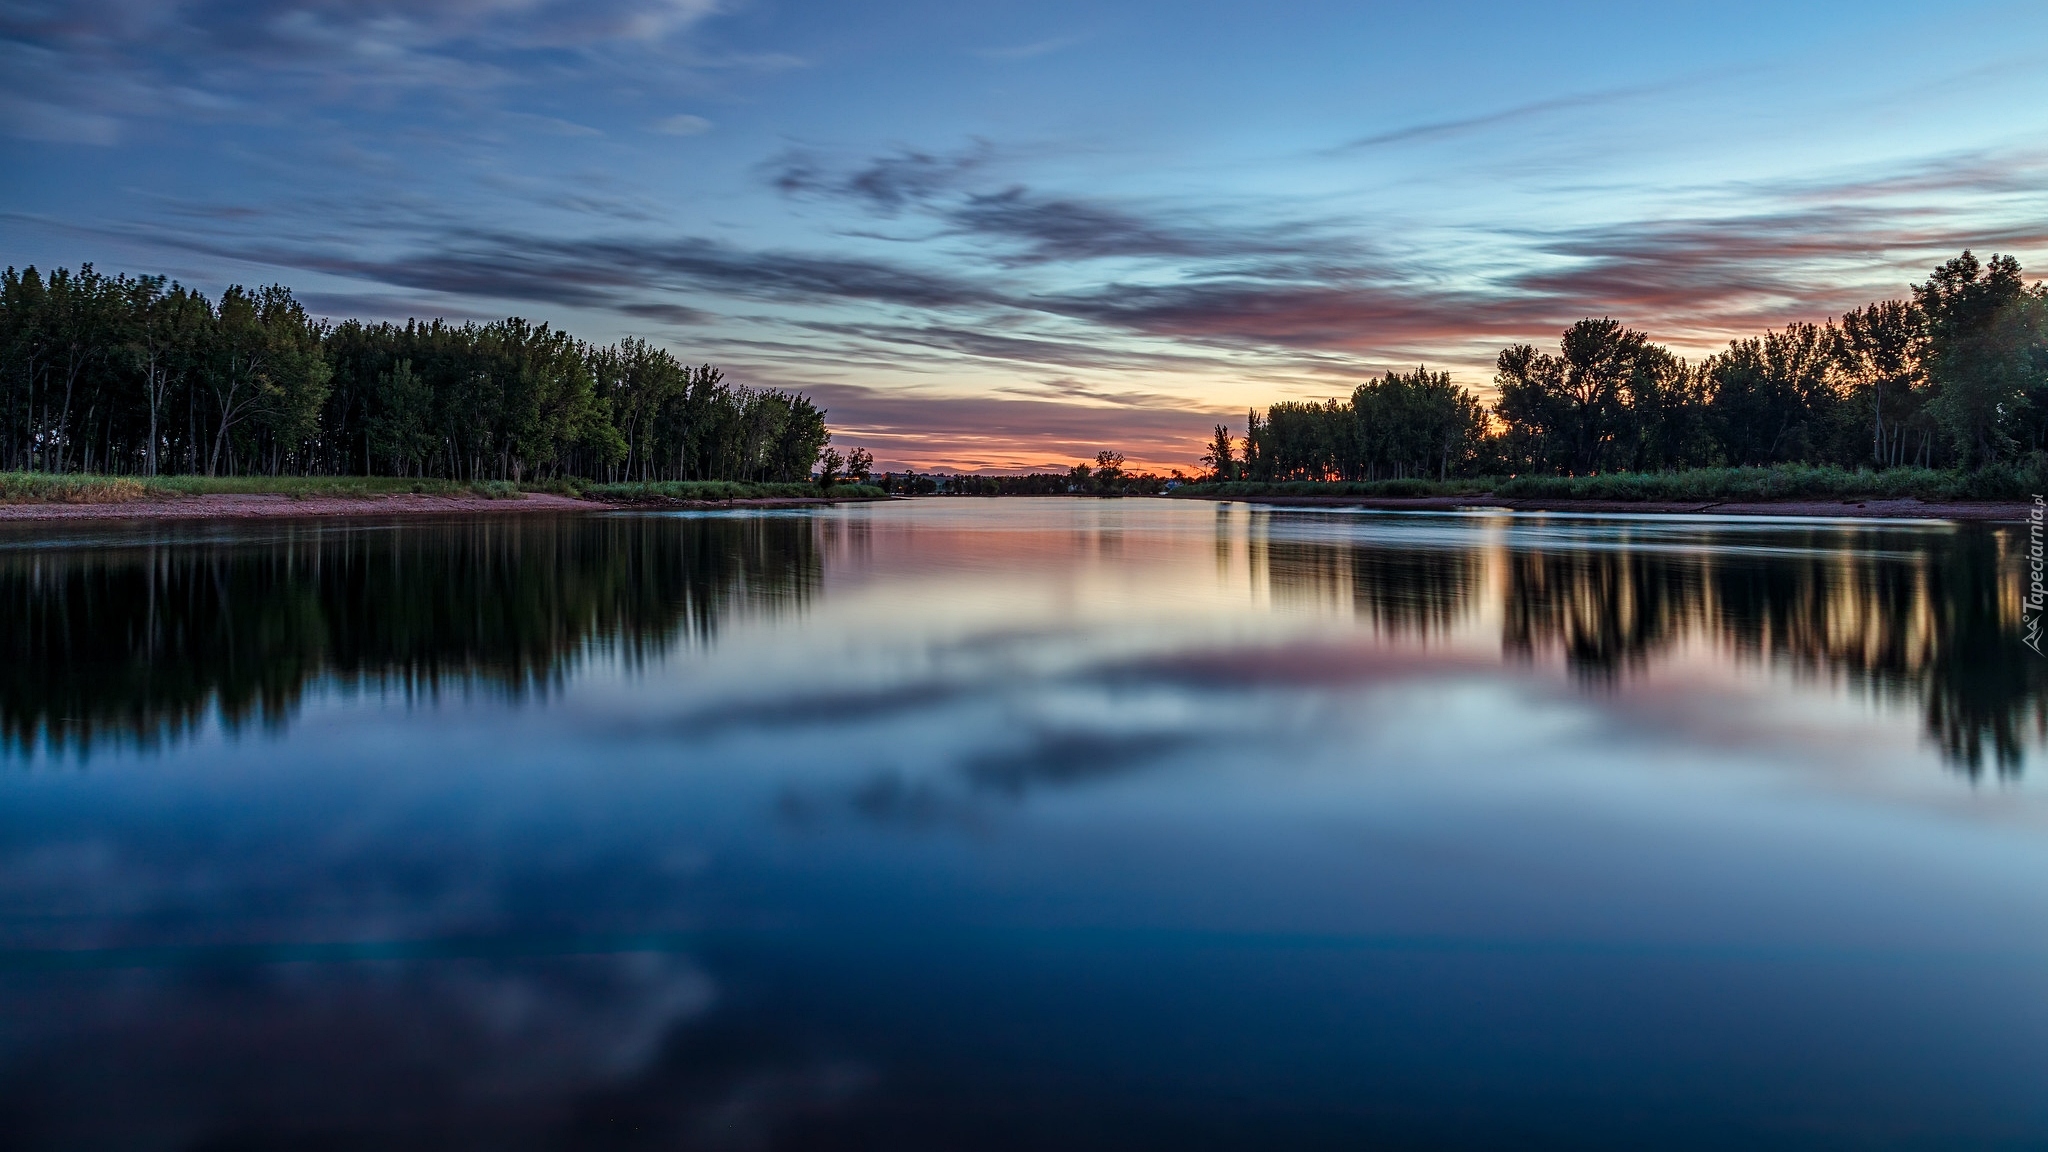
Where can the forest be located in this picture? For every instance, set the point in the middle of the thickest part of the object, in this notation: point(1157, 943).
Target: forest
point(124, 375)
point(1955, 376)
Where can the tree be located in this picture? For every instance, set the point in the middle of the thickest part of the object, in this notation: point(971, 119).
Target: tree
point(1882, 350)
point(829, 464)
point(166, 332)
point(1772, 395)
point(1408, 424)
point(400, 432)
point(860, 465)
point(1582, 410)
point(1985, 353)
point(1220, 460)
point(78, 318)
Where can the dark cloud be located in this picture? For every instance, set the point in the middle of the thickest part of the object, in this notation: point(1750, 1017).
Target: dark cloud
point(612, 272)
point(1740, 270)
point(1057, 229)
point(1038, 228)
point(886, 184)
point(1336, 316)
point(1076, 351)
point(666, 313)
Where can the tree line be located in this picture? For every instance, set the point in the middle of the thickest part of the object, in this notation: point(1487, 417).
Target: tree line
point(1956, 375)
point(140, 375)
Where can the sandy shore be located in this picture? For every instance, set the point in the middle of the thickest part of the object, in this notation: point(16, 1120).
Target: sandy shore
point(271, 506)
point(1871, 509)
point(275, 506)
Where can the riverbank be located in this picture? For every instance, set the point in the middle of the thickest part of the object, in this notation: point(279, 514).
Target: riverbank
point(1902, 509)
point(40, 496)
point(278, 505)
point(1996, 492)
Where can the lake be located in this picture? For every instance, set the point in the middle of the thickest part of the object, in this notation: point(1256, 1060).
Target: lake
point(1059, 823)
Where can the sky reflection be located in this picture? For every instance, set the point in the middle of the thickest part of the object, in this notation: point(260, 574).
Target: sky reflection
point(1016, 823)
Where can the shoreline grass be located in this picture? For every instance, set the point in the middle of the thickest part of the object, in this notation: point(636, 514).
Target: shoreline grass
point(1998, 482)
point(83, 488)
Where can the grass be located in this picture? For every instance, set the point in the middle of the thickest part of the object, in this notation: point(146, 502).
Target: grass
point(1788, 482)
point(43, 488)
point(2008, 481)
point(708, 490)
point(73, 488)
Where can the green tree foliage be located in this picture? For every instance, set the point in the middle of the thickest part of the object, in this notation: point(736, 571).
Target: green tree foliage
point(1220, 460)
point(139, 375)
point(1593, 407)
point(1882, 351)
point(1987, 336)
point(1411, 424)
point(1774, 396)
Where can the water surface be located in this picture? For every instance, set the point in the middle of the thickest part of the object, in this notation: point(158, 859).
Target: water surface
point(1021, 824)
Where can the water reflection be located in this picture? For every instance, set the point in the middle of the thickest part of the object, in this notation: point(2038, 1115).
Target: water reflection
point(139, 637)
point(1021, 824)
point(1927, 617)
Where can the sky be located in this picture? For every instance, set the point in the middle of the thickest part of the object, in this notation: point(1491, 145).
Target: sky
point(1000, 237)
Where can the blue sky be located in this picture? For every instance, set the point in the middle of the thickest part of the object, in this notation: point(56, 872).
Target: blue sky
point(1001, 236)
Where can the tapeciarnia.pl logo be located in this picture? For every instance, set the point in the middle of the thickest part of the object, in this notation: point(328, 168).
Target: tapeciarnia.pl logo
point(2037, 594)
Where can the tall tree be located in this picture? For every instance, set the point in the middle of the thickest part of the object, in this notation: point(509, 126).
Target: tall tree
point(1220, 460)
point(1882, 348)
point(1985, 336)
point(1576, 411)
point(1772, 394)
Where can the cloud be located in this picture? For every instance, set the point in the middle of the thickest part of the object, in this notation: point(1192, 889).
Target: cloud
point(1354, 317)
point(39, 120)
point(554, 126)
point(1082, 350)
point(1715, 273)
point(1535, 109)
point(666, 313)
point(1045, 229)
point(1007, 433)
point(115, 59)
point(886, 184)
point(683, 124)
point(1059, 229)
point(1032, 50)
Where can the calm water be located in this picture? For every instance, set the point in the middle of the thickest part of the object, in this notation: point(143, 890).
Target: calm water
point(1022, 824)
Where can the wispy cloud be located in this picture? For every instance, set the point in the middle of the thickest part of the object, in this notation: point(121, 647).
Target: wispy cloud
point(76, 68)
point(683, 124)
point(885, 184)
point(1032, 49)
point(1535, 109)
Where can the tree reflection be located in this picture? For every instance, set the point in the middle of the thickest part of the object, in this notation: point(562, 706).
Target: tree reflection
point(139, 641)
point(1927, 620)
point(1410, 591)
point(1931, 619)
